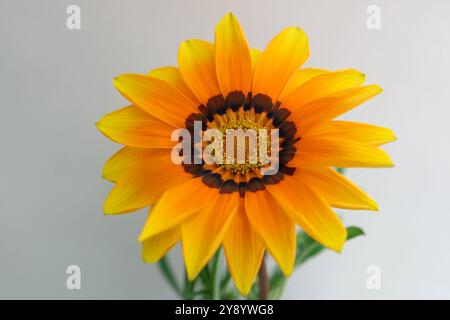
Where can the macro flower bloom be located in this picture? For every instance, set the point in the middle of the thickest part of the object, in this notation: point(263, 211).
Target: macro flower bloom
point(226, 84)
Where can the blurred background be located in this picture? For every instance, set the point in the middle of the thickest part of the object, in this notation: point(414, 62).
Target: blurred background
point(55, 83)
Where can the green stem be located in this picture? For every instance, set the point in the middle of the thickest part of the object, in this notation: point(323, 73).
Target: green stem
point(188, 291)
point(225, 280)
point(164, 266)
point(215, 281)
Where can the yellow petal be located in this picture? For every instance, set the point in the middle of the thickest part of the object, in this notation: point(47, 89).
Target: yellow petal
point(337, 190)
point(203, 233)
point(128, 159)
point(157, 246)
point(274, 227)
point(255, 54)
point(281, 58)
point(298, 78)
point(144, 182)
point(311, 212)
point(159, 98)
point(321, 86)
point(328, 108)
point(176, 205)
point(233, 60)
point(244, 251)
point(197, 66)
point(132, 126)
point(173, 76)
point(329, 152)
point(354, 131)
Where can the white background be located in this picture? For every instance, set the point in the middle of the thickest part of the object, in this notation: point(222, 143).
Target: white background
point(56, 83)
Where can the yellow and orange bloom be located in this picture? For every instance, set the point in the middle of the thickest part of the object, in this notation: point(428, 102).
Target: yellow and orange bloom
point(227, 84)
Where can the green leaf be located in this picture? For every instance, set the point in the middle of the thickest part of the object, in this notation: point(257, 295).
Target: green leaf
point(307, 248)
point(353, 232)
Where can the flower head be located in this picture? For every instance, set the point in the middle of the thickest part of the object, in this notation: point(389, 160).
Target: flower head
point(227, 85)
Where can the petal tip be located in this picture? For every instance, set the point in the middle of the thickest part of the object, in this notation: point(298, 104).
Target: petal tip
point(287, 270)
point(229, 15)
point(98, 125)
point(149, 230)
point(228, 20)
point(191, 272)
point(184, 44)
point(339, 247)
point(146, 233)
point(120, 79)
point(243, 289)
point(375, 206)
point(107, 211)
point(116, 80)
point(141, 238)
point(393, 137)
point(390, 164)
point(148, 259)
point(377, 88)
point(295, 29)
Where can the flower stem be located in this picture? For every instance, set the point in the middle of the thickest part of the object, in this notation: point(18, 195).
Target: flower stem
point(164, 266)
point(215, 281)
point(263, 281)
point(188, 291)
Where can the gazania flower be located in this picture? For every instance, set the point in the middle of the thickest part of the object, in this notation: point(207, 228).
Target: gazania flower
point(227, 84)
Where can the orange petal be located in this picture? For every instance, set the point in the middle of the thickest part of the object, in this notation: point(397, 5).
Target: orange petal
point(233, 60)
point(360, 132)
point(128, 159)
point(157, 246)
point(255, 54)
point(311, 212)
point(133, 126)
point(173, 76)
point(158, 97)
point(328, 108)
point(321, 86)
point(274, 227)
point(144, 181)
point(281, 58)
point(197, 66)
point(329, 152)
point(244, 251)
point(336, 189)
point(298, 78)
point(203, 233)
point(176, 205)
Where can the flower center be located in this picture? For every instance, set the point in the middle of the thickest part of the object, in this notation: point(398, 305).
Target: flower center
point(246, 142)
point(246, 115)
